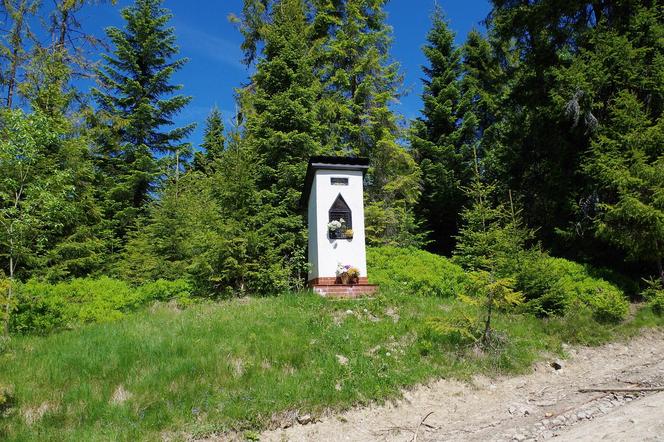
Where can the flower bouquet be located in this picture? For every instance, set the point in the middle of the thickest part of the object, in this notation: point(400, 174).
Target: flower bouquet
point(339, 230)
point(347, 274)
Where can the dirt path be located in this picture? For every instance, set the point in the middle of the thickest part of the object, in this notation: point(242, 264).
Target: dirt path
point(537, 406)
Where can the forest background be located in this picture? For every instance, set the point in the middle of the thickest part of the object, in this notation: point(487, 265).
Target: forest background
point(552, 112)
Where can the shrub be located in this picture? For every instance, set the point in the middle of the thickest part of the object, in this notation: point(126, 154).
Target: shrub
point(657, 303)
point(43, 307)
point(414, 271)
point(607, 303)
point(654, 294)
point(163, 290)
point(628, 285)
point(550, 286)
point(554, 285)
point(536, 278)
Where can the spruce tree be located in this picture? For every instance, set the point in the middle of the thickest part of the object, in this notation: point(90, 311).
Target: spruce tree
point(282, 125)
point(361, 82)
point(217, 229)
point(213, 141)
point(280, 105)
point(612, 91)
point(437, 138)
point(484, 87)
point(490, 237)
point(574, 58)
point(136, 93)
point(354, 83)
point(627, 159)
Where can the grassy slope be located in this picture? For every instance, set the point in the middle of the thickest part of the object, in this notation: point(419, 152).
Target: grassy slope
point(235, 364)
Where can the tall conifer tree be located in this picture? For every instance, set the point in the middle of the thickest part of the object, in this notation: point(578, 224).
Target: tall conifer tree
point(354, 84)
point(484, 87)
point(627, 159)
point(135, 89)
point(280, 117)
point(361, 82)
point(438, 137)
point(576, 60)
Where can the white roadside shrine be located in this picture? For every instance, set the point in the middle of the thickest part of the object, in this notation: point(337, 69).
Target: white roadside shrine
point(335, 210)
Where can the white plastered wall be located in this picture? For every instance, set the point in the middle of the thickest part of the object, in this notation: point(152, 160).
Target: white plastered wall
point(325, 253)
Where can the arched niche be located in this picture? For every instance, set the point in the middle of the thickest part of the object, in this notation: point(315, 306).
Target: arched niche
point(339, 211)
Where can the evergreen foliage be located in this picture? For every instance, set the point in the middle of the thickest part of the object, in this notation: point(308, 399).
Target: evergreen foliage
point(362, 83)
point(136, 94)
point(484, 87)
point(490, 239)
point(574, 60)
point(282, 128)
point(410, 271)
point(559, 101)
point(627, 159)
point(436, 137)
point(463, 92)
point(492, 233)
point(217, 230)
point(213, 142)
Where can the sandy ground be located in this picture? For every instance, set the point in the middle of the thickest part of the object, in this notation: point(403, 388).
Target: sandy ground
point(640, 420)
point(538, 406)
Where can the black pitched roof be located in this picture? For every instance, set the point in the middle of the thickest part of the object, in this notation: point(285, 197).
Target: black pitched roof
point(330, 162)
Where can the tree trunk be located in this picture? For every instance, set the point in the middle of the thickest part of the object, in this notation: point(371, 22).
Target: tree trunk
point(487, 324)
point(660, 268)
point(64, 16)
point(16, 41)
point(10, 293)
point(177, 173)
point(11, 81)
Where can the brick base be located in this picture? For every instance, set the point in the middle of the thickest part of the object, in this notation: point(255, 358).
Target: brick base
point(326, 287)
point(333, 280)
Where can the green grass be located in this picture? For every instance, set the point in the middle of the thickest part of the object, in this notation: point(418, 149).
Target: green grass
point(235, 365)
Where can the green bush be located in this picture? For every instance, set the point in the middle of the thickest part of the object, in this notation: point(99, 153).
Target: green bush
point(43, 307)
point(654, 294)
point(414, 271)
point(657, 302)
point(607, 303)
point(163, 290)
point(537, 278)
point(552, 286)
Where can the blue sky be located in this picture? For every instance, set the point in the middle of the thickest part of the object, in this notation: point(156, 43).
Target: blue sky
point(212, 44)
